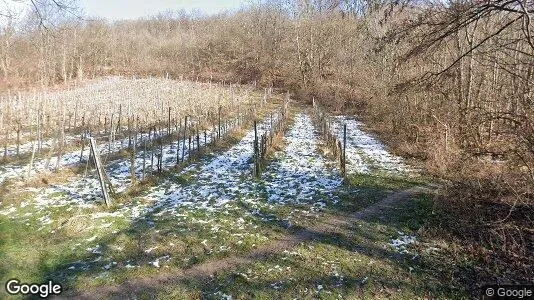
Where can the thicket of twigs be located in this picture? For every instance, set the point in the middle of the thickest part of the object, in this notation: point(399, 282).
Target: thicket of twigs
point(450, 83)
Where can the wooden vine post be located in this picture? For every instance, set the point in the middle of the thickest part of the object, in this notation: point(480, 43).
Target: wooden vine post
point(178, 142)
point(256, 152)
point(133, 157)
point(100, 170)
point(333, 142)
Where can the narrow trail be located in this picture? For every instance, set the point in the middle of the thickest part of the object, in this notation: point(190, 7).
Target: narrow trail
point(393, 200)
point(330, 225)
point(300, 174)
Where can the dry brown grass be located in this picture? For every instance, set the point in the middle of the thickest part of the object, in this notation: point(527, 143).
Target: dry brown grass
point(485, 207)
point(490, 214)
point(14, 197)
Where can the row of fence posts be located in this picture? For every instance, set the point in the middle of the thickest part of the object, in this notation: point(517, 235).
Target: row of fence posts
point(336, 147)
point(264, 142)
point(188, 132)
point(157, 135)
point(113, 127)
point(70, 119)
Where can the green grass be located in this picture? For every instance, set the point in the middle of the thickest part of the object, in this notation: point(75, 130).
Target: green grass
point(362, 190)
point(359, 264)
point(356, 262)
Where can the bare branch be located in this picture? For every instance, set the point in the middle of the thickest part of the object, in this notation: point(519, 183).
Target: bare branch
point(478, 45)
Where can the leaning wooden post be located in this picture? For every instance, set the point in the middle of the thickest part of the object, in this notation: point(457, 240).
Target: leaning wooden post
point(100, 170)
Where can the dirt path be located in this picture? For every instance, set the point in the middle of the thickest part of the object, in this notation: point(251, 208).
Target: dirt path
point(390, 202)
point(330, 225)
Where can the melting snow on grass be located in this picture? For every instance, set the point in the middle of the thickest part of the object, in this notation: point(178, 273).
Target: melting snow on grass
point(85, 192)
point(300, 174)
point(69, 159)
point(402, 242)
point(364, 152)
point(218, 181)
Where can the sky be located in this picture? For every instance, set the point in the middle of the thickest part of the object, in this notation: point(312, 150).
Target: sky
point(133, 9)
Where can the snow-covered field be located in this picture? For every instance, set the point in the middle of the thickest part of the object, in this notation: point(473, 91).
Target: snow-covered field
point(297, 175)
point(149, 99)
point(365, 153)
point(85, 192)
point(27, 147)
